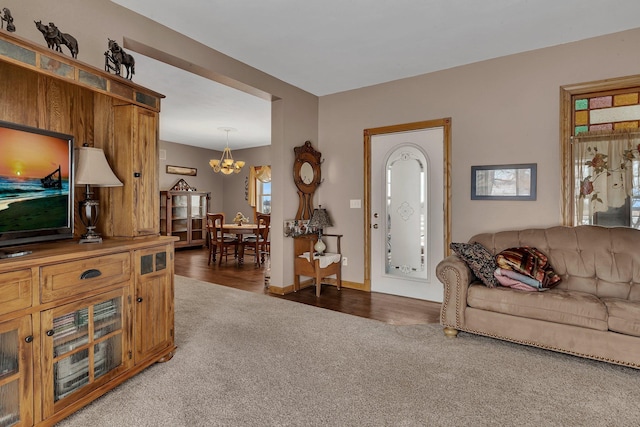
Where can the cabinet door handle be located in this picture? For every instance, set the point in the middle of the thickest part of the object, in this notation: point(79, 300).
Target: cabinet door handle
point(50, 332)
point(28, 338)
point(139, 299)
point(90, 274)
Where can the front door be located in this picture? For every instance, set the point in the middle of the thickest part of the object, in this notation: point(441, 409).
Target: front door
point(408, 221)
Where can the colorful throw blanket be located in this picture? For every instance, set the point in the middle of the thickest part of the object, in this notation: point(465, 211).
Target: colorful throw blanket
point(513, 279)
point(530, 262)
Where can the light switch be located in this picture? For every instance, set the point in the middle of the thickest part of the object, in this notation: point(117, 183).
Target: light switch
point(355, 204)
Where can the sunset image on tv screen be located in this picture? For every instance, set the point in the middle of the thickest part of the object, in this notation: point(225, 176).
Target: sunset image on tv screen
point(31, 155)
point(34, 180)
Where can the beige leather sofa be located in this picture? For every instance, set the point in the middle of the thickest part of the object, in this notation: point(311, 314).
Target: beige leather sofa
point(594, 312)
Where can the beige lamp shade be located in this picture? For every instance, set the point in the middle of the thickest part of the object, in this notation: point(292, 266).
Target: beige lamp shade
point(92, 168)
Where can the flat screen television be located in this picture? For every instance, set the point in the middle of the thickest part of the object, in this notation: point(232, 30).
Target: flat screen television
point(36, 185)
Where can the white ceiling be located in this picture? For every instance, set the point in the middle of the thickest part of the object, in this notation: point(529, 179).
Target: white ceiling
point(329, 46)
point(195, 108)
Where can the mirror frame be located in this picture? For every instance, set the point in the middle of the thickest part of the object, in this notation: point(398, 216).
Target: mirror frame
point(306, 154)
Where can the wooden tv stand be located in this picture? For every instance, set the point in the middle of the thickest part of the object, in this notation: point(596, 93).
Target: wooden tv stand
point(77, 320)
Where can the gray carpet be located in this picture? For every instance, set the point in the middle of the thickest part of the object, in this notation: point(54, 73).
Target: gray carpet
point(246, 359)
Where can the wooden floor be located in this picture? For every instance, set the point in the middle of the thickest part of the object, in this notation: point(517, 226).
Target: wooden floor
point(248, 277)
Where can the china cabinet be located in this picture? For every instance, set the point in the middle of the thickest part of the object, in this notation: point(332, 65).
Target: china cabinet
point(184, 214)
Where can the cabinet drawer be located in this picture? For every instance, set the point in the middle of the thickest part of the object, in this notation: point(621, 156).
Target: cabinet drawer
point(15, 291)
point(71, 278)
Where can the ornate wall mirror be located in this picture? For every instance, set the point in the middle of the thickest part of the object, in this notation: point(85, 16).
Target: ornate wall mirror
point(306, 176)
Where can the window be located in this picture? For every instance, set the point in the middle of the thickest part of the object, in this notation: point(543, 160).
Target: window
point(260, 189)
point(606, 176)
point(600, 131)
point(263, 196)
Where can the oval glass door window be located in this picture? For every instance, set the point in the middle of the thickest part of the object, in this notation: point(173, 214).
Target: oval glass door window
point(406, 211)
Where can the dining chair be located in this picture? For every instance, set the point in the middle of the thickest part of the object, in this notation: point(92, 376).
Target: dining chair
point(259, 244)
point(218, 239)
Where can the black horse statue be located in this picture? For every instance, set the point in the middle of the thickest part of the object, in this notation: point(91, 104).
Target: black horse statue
point(66, 39)
point(52, 42)
point(54, 38)
point(116, 57)
point(8, 19)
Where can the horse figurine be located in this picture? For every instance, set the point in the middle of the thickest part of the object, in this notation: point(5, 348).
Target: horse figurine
point(54, 38)
point(8, 19)
point(66, 39)
point(52, 42)
point(117, 58)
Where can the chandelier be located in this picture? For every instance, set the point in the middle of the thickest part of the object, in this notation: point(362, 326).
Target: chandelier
point(226, 164)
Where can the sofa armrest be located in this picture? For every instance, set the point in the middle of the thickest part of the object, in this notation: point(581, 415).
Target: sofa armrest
point(456, 276)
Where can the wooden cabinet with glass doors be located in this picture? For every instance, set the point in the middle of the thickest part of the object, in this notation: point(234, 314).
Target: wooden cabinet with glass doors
point(184, 214)
point(85, 344)
point(16, 372)
point(77, 320)
point(16, 348)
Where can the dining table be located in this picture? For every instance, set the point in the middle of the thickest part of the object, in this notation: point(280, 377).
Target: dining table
point(239, 230)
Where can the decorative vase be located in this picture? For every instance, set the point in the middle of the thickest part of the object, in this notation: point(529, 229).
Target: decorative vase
point(320, 246)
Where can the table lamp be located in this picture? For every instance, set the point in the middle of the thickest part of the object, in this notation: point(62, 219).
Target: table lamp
point(319, 220)
point(92, 170)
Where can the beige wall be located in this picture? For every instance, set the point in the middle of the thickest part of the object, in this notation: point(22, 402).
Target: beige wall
point(504, 110)
point(227, 191)
point(294, 112)
point(193, 157)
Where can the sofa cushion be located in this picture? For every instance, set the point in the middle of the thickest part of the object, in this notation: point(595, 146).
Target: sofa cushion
point(479, 260)
point(555, 305)
point(624, 316)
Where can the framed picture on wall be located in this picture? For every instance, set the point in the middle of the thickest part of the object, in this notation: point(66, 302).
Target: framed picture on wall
point(504, 182)
point(182, 170)
point(296, 227)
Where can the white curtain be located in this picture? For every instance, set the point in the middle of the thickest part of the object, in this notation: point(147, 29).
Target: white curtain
point(603, 170)
point(260, 173)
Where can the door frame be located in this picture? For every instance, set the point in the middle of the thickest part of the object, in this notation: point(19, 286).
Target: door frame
point(368, 133)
